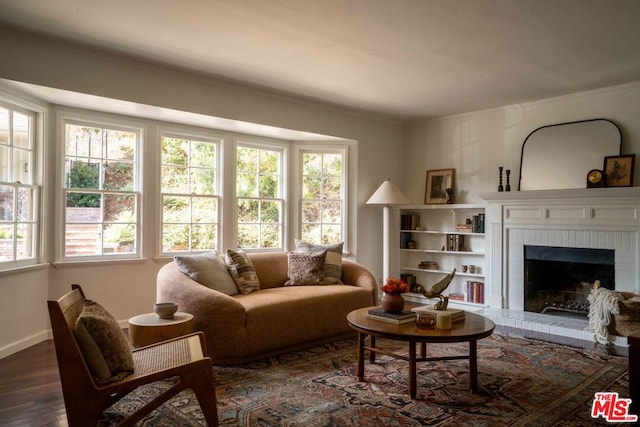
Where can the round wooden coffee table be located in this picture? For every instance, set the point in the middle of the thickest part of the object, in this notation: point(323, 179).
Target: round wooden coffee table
point(473, 328)
point(148, 328)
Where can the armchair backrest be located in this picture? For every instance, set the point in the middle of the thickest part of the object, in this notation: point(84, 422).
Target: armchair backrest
point(75, 376)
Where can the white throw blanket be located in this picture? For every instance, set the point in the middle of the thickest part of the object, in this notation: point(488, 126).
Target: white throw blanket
point(604, 304)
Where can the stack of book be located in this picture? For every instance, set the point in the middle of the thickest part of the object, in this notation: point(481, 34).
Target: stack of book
point(428, 265)
point(457, 315)
point(405, 316)
point(467, 228)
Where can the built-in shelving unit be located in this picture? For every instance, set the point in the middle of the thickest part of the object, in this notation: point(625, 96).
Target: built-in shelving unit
point(435, 239)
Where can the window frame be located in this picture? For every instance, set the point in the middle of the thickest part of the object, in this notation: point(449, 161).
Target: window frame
point(36, 120)
point(191, 133)
point(346, 185)
point(283, 148)
point(110, 122)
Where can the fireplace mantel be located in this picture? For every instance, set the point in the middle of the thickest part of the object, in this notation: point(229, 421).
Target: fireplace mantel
point(598, 195)
point(606, 218)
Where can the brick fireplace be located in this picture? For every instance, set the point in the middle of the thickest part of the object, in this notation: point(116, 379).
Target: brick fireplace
point(606, 219)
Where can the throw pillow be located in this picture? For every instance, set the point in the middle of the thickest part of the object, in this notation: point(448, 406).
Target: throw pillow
point(209, 270)
point(333, 267)
point(103, 343)
point(306, 268)
point(242, 271)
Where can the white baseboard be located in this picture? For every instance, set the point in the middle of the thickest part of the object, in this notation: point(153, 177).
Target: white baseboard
point(27, 342)
point(34, 339)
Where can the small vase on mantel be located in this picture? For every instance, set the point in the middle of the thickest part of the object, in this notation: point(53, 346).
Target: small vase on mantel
point(392, 303)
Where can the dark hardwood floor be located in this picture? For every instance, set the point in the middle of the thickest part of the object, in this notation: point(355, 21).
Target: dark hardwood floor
point(30, 391)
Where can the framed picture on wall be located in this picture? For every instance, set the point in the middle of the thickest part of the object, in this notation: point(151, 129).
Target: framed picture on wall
point(438, 181)
point(618, 170)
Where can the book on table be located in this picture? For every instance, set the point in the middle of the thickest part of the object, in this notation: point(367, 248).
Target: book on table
point(455, 313)
point(404, 316)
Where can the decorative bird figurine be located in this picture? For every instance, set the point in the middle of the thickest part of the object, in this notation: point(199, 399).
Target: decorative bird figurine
point(436, 291)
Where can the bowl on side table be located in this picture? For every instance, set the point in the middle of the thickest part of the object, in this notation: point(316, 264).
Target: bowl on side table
point(165, 310)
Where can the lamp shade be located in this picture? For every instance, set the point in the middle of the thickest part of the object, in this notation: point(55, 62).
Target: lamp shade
point(388, 194)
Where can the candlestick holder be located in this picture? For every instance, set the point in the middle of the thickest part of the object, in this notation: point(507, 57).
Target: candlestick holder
point(508, 186)
point(500, 187)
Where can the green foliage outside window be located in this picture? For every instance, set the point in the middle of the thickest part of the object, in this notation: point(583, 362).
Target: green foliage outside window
point(258, 187)
point(189, 205)
point(322, 194)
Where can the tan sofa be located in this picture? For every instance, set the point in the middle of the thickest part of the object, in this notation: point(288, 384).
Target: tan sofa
point(273, 320)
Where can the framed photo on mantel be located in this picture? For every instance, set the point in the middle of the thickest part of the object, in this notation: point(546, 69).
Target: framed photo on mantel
point(438, 181)
point(618, 170)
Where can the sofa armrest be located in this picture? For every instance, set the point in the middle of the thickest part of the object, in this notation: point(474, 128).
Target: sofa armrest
point(357, 275)
point(192, 297)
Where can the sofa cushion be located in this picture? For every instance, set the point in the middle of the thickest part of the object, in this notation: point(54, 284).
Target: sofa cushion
point(333, 263)
point(103, 343)
point(209, 270)
point(306, 268)
point(242, 271)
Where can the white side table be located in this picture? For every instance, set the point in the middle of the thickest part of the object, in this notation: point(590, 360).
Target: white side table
point(148, 328)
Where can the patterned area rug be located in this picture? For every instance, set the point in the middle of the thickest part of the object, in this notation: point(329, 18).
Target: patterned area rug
point(522, 382)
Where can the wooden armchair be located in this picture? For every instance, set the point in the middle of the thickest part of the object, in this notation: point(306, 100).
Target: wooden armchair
point(85, 399)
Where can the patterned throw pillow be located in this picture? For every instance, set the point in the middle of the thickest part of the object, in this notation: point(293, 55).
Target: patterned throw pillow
point(242, 271)
point(103, 344)
point(333, 267)
point(306, 268)
point(209, 270)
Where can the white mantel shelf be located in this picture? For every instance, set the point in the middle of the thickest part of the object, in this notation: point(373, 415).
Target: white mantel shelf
point(604, 195)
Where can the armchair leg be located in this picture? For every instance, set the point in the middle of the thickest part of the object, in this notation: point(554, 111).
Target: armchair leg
point(205, 391)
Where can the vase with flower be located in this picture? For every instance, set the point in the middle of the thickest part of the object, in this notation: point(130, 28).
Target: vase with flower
point(392, 300)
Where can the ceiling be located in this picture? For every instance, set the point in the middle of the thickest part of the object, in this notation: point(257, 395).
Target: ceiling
point(406, 59)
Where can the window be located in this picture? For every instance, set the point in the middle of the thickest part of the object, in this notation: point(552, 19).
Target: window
point(18, 194)
point(323, 196)
point(101, 191)
point(259, 195)
point(189, 183)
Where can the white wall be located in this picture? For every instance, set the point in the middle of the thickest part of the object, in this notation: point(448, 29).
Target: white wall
point(477, 143)
point(128, 289)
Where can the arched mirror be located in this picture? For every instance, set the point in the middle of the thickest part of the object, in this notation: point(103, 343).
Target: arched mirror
point(560, 156)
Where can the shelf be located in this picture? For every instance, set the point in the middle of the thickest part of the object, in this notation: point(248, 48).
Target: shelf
point(437, 271)
point(421, 299)
point(439, 232)
point(437, 251)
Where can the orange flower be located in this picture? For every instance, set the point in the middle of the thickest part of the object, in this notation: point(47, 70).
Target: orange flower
point(394, 286)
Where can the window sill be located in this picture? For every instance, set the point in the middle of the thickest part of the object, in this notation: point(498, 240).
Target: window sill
point(22, 269)
point(95, 262)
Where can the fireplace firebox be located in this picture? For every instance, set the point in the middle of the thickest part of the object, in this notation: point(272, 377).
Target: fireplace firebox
point(557, 280)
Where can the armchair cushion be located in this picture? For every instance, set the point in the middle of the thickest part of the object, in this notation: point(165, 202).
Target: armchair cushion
point(209, 270)
point(103, 343)
point(306, 268)
point(333, 263)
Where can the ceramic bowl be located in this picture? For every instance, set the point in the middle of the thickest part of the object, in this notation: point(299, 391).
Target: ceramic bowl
point(165, 310)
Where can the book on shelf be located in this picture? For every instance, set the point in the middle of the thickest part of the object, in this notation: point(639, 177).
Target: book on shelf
point(405, 316)
point(477, 223)
point(456, 314)
point(454, 242)
point(455, 296)
point(405, 238)
point(409, 221)
point(475, 292)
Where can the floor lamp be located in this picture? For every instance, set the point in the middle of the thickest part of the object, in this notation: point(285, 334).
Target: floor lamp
point(387, 194)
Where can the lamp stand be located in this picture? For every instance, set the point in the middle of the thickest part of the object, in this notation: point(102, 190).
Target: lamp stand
point(386, 222)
